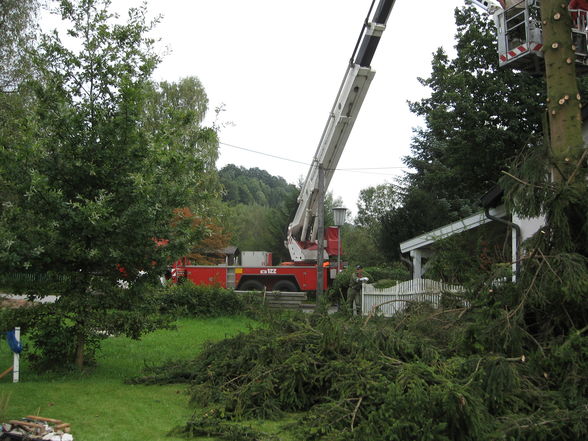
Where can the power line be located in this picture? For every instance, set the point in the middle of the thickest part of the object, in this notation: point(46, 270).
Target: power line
point(372, 168)
point(262, 153)
point(352, 170)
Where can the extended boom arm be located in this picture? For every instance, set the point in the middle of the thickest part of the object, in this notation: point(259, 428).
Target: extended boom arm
point(302, 230)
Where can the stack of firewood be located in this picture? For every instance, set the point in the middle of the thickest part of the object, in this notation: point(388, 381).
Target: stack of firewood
point(36, 428)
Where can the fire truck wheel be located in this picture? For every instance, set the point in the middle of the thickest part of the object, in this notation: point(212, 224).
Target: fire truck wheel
point(252, 285)
point(285, 286)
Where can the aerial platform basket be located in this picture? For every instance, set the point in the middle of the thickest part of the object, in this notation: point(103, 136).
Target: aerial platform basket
point(520, 38)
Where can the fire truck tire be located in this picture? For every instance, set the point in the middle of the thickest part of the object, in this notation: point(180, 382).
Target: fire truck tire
point(252, 285)
point(285, 286)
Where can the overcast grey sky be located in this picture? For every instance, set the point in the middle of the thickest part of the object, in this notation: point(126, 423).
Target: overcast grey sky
point(276, 66)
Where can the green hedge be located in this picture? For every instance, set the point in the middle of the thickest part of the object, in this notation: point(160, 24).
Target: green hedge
point(380, 276)
point(189, 300)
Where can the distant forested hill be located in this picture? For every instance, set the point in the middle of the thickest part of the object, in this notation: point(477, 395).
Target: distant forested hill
point(258, 208)
point(253, 186)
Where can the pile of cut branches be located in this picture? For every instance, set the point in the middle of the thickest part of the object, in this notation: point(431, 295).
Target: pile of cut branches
point(418, 376)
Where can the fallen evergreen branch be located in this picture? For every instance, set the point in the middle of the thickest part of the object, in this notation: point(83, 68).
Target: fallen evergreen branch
point(512, 365)
point(210, 425)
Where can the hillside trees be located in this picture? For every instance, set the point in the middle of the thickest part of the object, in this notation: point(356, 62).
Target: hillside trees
point(258, 209)
point(95, 183)
point(253, 186)
point(477, 119)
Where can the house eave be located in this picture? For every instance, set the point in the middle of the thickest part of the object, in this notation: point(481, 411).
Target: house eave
point(459, 226)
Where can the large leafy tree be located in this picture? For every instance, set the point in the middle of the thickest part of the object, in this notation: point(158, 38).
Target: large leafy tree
point(174, 113)
point(375, 202)
point(96, 184)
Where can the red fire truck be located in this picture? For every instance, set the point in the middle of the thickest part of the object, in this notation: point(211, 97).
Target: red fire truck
point(254, 271)
point(288, 278)
point(301, 274)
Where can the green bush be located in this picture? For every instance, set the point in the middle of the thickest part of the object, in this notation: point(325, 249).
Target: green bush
point(383, 276)
point(394, 271)
point(190, 300)
point(338, 290)
point(385, 283)
point(50, 341)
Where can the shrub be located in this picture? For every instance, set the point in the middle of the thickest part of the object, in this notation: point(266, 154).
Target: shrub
point(383, 276)
point(188, 299)
point(50, 336)
point(393, 271)
point(385, 283)
point(52, 344)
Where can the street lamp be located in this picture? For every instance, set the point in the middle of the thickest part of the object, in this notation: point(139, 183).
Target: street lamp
point(340, 214)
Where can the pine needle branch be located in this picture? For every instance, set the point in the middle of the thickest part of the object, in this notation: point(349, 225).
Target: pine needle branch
point(578, 165)
point(474, 373)
point(528, 184)
point(353, 415)
point(549, 265)
point(528, 290)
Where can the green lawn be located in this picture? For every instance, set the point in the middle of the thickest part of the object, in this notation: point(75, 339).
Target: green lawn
point(98, 404)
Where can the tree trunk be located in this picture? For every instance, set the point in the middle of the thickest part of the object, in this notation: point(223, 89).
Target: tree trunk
point(80, 346)
point(563, 98)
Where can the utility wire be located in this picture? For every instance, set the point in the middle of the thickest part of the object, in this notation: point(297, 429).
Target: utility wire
point(262, 153)
point(353, 170)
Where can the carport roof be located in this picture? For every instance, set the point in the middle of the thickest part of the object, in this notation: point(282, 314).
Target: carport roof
point(459, 226)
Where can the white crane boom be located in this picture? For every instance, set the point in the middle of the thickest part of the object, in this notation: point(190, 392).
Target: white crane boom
point(301, 240)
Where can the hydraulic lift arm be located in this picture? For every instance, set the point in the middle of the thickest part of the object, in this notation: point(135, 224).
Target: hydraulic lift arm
point(301, 240)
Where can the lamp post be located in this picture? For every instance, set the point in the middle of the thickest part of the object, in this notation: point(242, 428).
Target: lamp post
point(340, 214)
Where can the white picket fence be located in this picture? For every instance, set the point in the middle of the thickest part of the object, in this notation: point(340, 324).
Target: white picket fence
point(389, 301)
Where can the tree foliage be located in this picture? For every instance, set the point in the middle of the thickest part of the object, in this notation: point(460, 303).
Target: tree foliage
point(94, 182)
point(374, 203)
point(476, 120)
point(17, 33)
point(214, 239)
point(253, 187)
point(361, 245)
point(173, 116)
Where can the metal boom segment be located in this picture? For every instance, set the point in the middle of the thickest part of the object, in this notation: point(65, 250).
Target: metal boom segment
point(356, 81)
